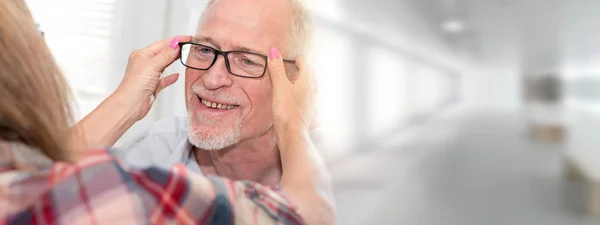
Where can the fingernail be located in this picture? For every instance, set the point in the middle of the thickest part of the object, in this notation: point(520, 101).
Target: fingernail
point(273, 53)
point(175, 43)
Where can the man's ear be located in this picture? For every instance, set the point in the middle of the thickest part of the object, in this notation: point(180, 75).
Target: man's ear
point(291, 71)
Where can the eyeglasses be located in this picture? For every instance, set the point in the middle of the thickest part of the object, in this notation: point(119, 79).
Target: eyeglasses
point(239, 63)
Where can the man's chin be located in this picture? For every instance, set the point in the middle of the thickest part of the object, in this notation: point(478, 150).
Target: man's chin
point(208, 146)
point(213, 142)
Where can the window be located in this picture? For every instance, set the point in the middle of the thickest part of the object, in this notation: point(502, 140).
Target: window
point(79, 34)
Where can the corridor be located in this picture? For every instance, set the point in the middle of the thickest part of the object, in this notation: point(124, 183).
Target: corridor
point(459, 168)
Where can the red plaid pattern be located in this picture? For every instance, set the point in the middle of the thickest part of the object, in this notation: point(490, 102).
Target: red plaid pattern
point(99, 190)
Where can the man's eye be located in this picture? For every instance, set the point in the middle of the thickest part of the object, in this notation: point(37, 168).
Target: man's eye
point(206, 51)
point(248, 62)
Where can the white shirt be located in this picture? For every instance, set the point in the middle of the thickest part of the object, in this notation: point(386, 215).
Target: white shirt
point(166, 143)
point(163, 145)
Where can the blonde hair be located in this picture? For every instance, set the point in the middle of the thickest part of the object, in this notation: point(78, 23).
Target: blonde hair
point(35, 97)
point(301, 29)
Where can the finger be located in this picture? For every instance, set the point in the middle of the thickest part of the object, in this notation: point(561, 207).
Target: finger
point(277, 71)
point(164, 54)
point(157, 47)
point(166, 81)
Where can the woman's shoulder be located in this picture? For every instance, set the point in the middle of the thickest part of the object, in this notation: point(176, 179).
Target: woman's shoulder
point(101, 187)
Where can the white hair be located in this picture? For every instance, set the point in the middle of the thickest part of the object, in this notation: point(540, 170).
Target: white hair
point(301, 29)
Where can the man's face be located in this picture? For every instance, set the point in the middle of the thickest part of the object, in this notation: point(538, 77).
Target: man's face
point(246, 106)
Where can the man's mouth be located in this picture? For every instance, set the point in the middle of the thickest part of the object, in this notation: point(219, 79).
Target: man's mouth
point(215, 105)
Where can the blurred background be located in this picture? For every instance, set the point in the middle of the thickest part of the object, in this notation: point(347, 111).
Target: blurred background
point(435, 111)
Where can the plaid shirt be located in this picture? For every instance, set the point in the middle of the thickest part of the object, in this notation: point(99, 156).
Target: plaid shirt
point(97, 189)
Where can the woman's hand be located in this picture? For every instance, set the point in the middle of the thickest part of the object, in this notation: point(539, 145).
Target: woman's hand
point(141, 83)
point(131, 101)
point(304, 176)
point(293, 100)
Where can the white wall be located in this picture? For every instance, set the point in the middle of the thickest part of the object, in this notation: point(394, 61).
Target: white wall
point(378, 69)
point(80, 35)
point(495, 84)
point(492, 89)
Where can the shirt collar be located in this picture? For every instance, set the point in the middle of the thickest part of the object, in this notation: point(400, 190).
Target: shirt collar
point(184, 154)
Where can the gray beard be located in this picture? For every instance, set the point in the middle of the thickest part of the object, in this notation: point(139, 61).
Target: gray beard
point(208, 140)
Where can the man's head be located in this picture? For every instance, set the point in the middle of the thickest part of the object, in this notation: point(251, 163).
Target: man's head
point(224, 109)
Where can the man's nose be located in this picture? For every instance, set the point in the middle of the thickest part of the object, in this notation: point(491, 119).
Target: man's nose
point(217, 76)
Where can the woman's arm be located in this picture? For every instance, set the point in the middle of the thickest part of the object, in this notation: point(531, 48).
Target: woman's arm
point(131, 101)
point(103, 126)
point(305, 179)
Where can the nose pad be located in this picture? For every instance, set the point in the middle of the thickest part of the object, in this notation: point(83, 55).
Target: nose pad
point(220, 62)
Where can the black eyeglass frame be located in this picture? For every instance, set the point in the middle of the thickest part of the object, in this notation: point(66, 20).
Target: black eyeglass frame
point(224, 54)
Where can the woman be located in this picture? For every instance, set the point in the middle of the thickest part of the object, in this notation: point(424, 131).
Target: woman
point(42, 183)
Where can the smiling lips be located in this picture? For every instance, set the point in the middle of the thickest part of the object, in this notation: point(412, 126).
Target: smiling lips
point(215, 105)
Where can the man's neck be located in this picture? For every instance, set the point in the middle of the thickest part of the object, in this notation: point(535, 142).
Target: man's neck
point(256, 159)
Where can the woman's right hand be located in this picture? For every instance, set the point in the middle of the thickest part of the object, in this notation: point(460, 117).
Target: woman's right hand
point(131, 101)
point(141, 83)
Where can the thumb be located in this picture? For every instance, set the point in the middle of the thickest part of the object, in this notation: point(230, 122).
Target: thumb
point(277, 71)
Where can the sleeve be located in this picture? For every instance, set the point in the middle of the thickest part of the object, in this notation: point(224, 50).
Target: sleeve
point(239, 202)
point(213, 200)
point(256, 204)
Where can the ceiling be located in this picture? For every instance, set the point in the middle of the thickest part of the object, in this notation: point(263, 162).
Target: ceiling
point(535, 35)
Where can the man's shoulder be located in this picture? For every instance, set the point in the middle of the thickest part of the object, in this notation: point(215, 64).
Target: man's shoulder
point(169, 126)
point(172, 127)
point(157, 144)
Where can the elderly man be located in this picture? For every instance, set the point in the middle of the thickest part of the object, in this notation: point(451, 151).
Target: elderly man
point(229, 127)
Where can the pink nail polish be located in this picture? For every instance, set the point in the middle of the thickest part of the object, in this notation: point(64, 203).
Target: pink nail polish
point(175, 43)
point(273, 53)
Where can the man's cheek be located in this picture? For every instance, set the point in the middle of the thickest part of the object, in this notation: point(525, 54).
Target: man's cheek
point(264, 112)
point(266, 83)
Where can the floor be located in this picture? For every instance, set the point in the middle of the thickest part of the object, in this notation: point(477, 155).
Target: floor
point(459, 168)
